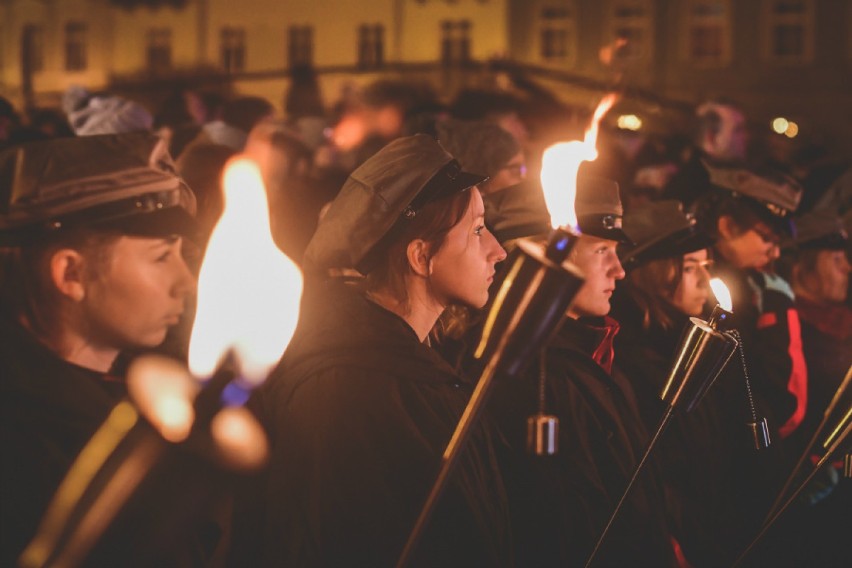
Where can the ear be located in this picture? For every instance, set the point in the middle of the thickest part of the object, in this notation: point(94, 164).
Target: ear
point(66, 272)
point(418, 257)
point(726, 227)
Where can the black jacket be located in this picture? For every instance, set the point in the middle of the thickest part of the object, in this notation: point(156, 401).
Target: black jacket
point(49, 409)
point(359, 413)
point(561, 504)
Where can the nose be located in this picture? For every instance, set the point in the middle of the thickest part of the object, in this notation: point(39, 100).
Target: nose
point(184, 283)
point(616, 271)
point(774, 252)
point(703, 276)
point(496, 252)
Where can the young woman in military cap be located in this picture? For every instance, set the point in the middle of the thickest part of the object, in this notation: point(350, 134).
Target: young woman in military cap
point(667, 283)
point(90, 268)
point(361, 408)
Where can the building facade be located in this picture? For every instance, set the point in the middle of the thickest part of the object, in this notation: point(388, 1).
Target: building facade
point(776, 57)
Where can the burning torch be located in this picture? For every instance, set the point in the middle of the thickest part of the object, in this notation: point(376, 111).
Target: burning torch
point(181, 437)
point(531, 301)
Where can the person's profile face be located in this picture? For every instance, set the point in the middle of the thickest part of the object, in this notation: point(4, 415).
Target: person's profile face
point(694, 286)
point(463, 268)
point(597, 260)
point(137, 293)
point(754, 247)
point(831, 277)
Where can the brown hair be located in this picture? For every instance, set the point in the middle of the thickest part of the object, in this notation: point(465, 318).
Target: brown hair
point(27, 291)
point(431, 224)
point(652, 286)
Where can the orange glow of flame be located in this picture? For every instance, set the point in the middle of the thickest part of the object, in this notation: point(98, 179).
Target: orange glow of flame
point(163, 390)
point(248, 290)
point(560, 164)
point(723, 296)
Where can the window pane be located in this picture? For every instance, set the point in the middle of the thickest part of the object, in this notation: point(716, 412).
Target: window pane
point(789, 40)
point(75, 46)
point(706, 42)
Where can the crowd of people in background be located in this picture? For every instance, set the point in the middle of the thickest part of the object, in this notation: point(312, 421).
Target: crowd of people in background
point(400, 207)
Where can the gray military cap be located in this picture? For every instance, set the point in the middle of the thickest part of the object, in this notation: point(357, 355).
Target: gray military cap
point(598, 208)
point(121, 182)
point(660, 229)
point(378, 198)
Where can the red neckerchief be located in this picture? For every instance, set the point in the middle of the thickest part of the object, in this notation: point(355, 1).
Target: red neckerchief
point(604, 353)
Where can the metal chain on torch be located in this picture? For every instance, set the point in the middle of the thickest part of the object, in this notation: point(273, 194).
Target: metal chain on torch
point(759, 427)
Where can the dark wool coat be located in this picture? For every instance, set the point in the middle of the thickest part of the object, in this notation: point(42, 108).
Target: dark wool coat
point(359, 413)
point(561, 504)
point(49, 409)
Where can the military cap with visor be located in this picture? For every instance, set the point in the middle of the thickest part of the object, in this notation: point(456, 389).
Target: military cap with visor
point(771, 195)
point(660, 229)
point(820, 230)
point(118, 182)
point(598, 208)
point(380, 197)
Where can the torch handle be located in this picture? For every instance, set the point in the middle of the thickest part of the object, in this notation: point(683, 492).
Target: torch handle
point(803, 458)
point(663, 423)
point(768, 524)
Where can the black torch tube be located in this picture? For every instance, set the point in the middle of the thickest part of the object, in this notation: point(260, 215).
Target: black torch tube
point(768, 524)
point(639, 467)
point(806, 453)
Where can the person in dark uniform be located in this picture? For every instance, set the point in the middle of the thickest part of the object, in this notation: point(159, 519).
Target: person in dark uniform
point(91, 269)
point(561, 503)
point(749, 214)
point(667, 283)
point(361, 407)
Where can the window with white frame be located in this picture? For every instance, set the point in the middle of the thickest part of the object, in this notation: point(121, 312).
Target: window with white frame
point(371, 45)
point(455, 41)
point(158, 49)
point(75, 46)
point(300, 46)
point(557, 33)
point(708, 32)
point(233, 49)
point(789, 30)
point(632, 21)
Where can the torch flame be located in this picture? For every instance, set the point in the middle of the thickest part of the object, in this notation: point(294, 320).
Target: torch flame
point(723, 296)
point(248, 290)
point(560, 164)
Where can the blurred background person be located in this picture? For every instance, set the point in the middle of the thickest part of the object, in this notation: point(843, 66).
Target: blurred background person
point(721, 140)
